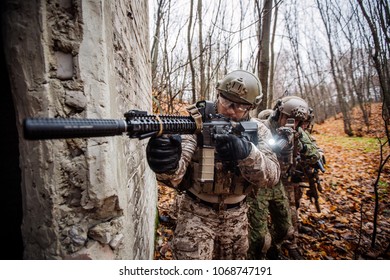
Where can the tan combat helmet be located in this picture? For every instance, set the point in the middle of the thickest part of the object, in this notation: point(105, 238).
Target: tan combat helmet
point(293, 106)
point(242, 87)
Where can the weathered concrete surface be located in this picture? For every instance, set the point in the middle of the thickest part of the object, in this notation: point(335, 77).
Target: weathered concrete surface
point(82, 198)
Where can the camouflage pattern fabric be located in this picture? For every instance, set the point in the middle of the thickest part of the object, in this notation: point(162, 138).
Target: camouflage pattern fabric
point(286, 225)
point(260, 169)
point(203, 233)
point(311, 154)
point(269, 203)
point(291, 189)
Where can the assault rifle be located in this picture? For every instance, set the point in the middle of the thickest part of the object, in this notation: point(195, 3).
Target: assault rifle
point(312, 175)
point(203, 121)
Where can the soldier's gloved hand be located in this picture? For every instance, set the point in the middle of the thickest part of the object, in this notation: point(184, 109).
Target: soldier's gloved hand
point(163, 153)
point(286, 132)
point(230, 147)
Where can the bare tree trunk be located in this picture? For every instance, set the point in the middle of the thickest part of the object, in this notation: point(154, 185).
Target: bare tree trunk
point(352, 62)
point(272, 66)
point(291, 19)
point(202, 82)
point(359, 90)
point(156, 40)
point(264, 53)
point(380, 52)
point(166, 66)
point(189, 44)
point(240, 34)
point(208, 71)
point(320, 91)
point(337, 76)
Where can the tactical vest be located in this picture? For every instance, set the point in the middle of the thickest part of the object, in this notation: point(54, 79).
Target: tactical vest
point(210, 179)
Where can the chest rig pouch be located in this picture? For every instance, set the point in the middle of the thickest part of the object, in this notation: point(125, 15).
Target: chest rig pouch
point(206, 174)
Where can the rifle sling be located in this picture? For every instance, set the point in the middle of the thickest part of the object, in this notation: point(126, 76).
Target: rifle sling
point(161, 126)
point(196, 115)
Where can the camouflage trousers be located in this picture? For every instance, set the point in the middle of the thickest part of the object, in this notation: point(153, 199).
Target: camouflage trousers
point(203, 233)
point(269, 220)
point(294, 195)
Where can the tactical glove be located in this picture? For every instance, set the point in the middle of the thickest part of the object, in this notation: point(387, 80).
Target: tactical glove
point(284, 142)
point(163, 153)
point(287, 133)
point(230, 147)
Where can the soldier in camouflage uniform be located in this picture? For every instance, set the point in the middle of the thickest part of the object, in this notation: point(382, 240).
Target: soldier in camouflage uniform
point(300, 176)
point(283, 211)
point(212, 217)
point(307, 127)
point(274, 202)
point(270, 201)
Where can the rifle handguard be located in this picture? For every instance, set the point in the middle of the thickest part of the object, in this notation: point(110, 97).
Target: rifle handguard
point(141, 125)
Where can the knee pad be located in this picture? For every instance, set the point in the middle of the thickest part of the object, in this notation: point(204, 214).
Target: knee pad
point(267, 243)
point(290, 233)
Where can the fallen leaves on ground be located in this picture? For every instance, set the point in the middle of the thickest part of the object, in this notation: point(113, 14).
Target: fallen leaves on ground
point(345, 227)
point(164, 234)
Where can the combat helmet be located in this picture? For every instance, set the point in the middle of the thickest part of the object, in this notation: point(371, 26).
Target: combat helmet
point(242, 87)
point(292, 106)
point(263, 115)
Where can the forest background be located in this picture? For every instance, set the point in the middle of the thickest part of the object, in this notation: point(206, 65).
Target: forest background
point(332, 53)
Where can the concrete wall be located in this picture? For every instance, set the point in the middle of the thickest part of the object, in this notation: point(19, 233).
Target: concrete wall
point(82, 198)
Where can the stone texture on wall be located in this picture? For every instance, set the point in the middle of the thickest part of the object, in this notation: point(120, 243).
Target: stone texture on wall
point(82, 198)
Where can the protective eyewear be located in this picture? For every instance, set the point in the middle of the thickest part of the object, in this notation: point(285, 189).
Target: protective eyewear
point(235, 106)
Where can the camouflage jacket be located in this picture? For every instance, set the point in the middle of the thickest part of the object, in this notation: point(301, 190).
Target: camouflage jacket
point(311, 152)
point(259, 170)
